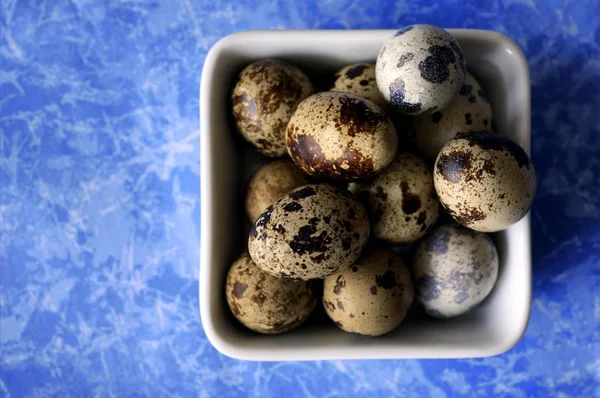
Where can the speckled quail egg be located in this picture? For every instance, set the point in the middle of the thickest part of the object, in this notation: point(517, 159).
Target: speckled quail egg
point(469, 111)
point(420, 69)
point(455, 269)
point(264, 303)
point(311, 232)
point(264, 98)
point(371, 297)
point(340, 136)
point(269, 183)
point(484, 180)
point(359, 79)
point(401, 201)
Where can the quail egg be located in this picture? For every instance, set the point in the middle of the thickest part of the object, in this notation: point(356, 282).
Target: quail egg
point(309, 233)
point(359, 79)
point(339, 136)
point(264, 98)
point(269, 183)
point(420, 69)
point(469, 111)
point(266, 304)
point(372, 296)
point(484, 180)
point(401, 201)
point(455, 269)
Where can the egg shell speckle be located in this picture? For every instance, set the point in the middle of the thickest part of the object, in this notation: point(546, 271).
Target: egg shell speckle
point(359, 79)
point(455, 269)
point(371, 297)
point(401, 201)
point(339, 136)
point(309, 233)
point(420, 69)
point(266, 304)
point(484, 180)
point(264, 98)
point(270, 183)
point(469, 111)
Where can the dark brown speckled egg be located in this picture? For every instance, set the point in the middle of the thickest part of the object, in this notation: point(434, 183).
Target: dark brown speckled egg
point(311, 232)
point(359, 79)
point(266, 304)
point(339, 136)
point(264, 98)
point(371, 297)
point(469, 111)
point(270, 183)
point(401, 201)
point(485, 181)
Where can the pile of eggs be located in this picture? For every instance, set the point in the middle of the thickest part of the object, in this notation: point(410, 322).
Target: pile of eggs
point(351, 193)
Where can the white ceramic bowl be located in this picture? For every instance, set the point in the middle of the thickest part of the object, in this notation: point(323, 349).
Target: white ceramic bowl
point(227, 163)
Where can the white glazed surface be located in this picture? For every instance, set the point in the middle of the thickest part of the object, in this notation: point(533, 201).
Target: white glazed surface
point(227, 164)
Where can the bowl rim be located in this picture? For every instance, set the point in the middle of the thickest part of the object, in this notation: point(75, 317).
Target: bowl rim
point(245, 352)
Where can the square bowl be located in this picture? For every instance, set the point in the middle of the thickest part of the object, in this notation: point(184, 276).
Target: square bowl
point(227, 163)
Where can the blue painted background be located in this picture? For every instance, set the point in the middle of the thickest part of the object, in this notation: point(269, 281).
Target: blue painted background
point(99, 201)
